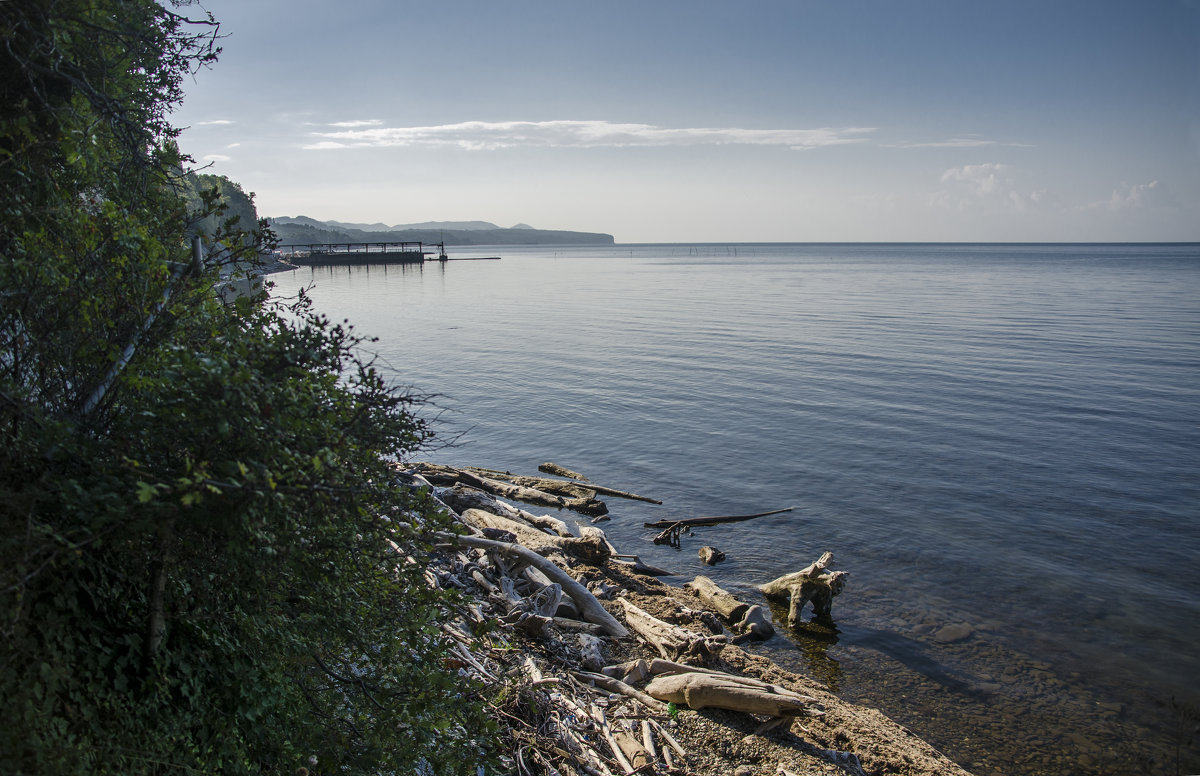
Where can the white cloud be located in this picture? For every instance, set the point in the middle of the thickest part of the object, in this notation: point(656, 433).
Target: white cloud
point(483, 135)
point(214, 122)
point(359, 123)
point(1132, 197)
point(960, 142)
point(216, 158)
point(989, 185)
point(983, 179)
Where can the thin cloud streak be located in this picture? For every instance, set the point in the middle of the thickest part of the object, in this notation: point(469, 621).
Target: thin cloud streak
point(959, 142)
point(487, 136)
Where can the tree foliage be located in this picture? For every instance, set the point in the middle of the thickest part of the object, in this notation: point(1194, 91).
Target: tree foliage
point(205, 563)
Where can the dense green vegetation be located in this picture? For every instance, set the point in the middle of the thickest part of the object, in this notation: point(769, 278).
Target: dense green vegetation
point(205, 564)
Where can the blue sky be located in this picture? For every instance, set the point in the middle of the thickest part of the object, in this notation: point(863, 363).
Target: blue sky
point(665, 120)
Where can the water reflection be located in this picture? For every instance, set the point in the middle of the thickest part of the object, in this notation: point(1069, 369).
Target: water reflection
point(813, 638)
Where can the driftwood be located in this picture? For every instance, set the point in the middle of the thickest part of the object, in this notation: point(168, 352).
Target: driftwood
point(700, 690)
point(752, 621)
point(635, 753)
point(446, 476)
point(544, 484)
point(585, 489)
point(463, 497)
point(561, 471)
point(613, 684)
point(711, 555)
point(618, 753)
point(592, 549)
point(693, 522)
point(671, 641)
point(672, 529)
point(812, 583)
point(591, 608)
point(639, 567)
point(591, 653)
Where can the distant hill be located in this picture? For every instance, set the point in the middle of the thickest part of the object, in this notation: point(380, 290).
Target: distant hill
point(301, 230)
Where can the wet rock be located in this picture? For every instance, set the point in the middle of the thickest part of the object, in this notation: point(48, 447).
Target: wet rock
point(948, 634)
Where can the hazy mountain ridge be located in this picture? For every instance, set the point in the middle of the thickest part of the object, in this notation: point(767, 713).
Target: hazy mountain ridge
point(304, 230)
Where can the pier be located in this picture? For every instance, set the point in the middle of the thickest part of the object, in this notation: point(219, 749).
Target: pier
point(324, 254)
point(321, 254)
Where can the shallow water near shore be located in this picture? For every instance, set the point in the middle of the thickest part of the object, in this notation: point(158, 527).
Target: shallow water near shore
point(1000, 443)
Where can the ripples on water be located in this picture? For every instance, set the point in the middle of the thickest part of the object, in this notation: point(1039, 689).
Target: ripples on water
point(1001, 436)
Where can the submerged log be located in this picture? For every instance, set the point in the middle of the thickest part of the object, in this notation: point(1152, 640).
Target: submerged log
point(811, 584)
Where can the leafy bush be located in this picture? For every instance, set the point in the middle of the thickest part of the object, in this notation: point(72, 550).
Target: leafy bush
point(205, 563)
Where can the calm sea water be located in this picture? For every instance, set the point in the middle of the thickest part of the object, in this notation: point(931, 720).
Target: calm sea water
point(1003, 437)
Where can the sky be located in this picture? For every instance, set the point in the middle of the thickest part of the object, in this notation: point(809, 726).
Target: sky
point(700, 121)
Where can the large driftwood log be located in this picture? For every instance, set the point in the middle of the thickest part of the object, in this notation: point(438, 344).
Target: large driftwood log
point(593, 549)
point(812, 583)
point(700, 690)
point(589, 606)
point(671, 641)
point(745, 619)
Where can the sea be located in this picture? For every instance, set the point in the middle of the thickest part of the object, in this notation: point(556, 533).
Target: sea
point(999, 442)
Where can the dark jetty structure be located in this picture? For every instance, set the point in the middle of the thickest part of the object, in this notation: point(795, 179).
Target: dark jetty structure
point(325, 254)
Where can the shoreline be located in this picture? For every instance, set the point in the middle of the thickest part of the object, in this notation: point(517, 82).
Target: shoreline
point(829, 736)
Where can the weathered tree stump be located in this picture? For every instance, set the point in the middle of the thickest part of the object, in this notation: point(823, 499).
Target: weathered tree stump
point(811, 584)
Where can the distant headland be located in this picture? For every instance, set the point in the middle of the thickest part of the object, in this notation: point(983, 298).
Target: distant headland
point(304, 230)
